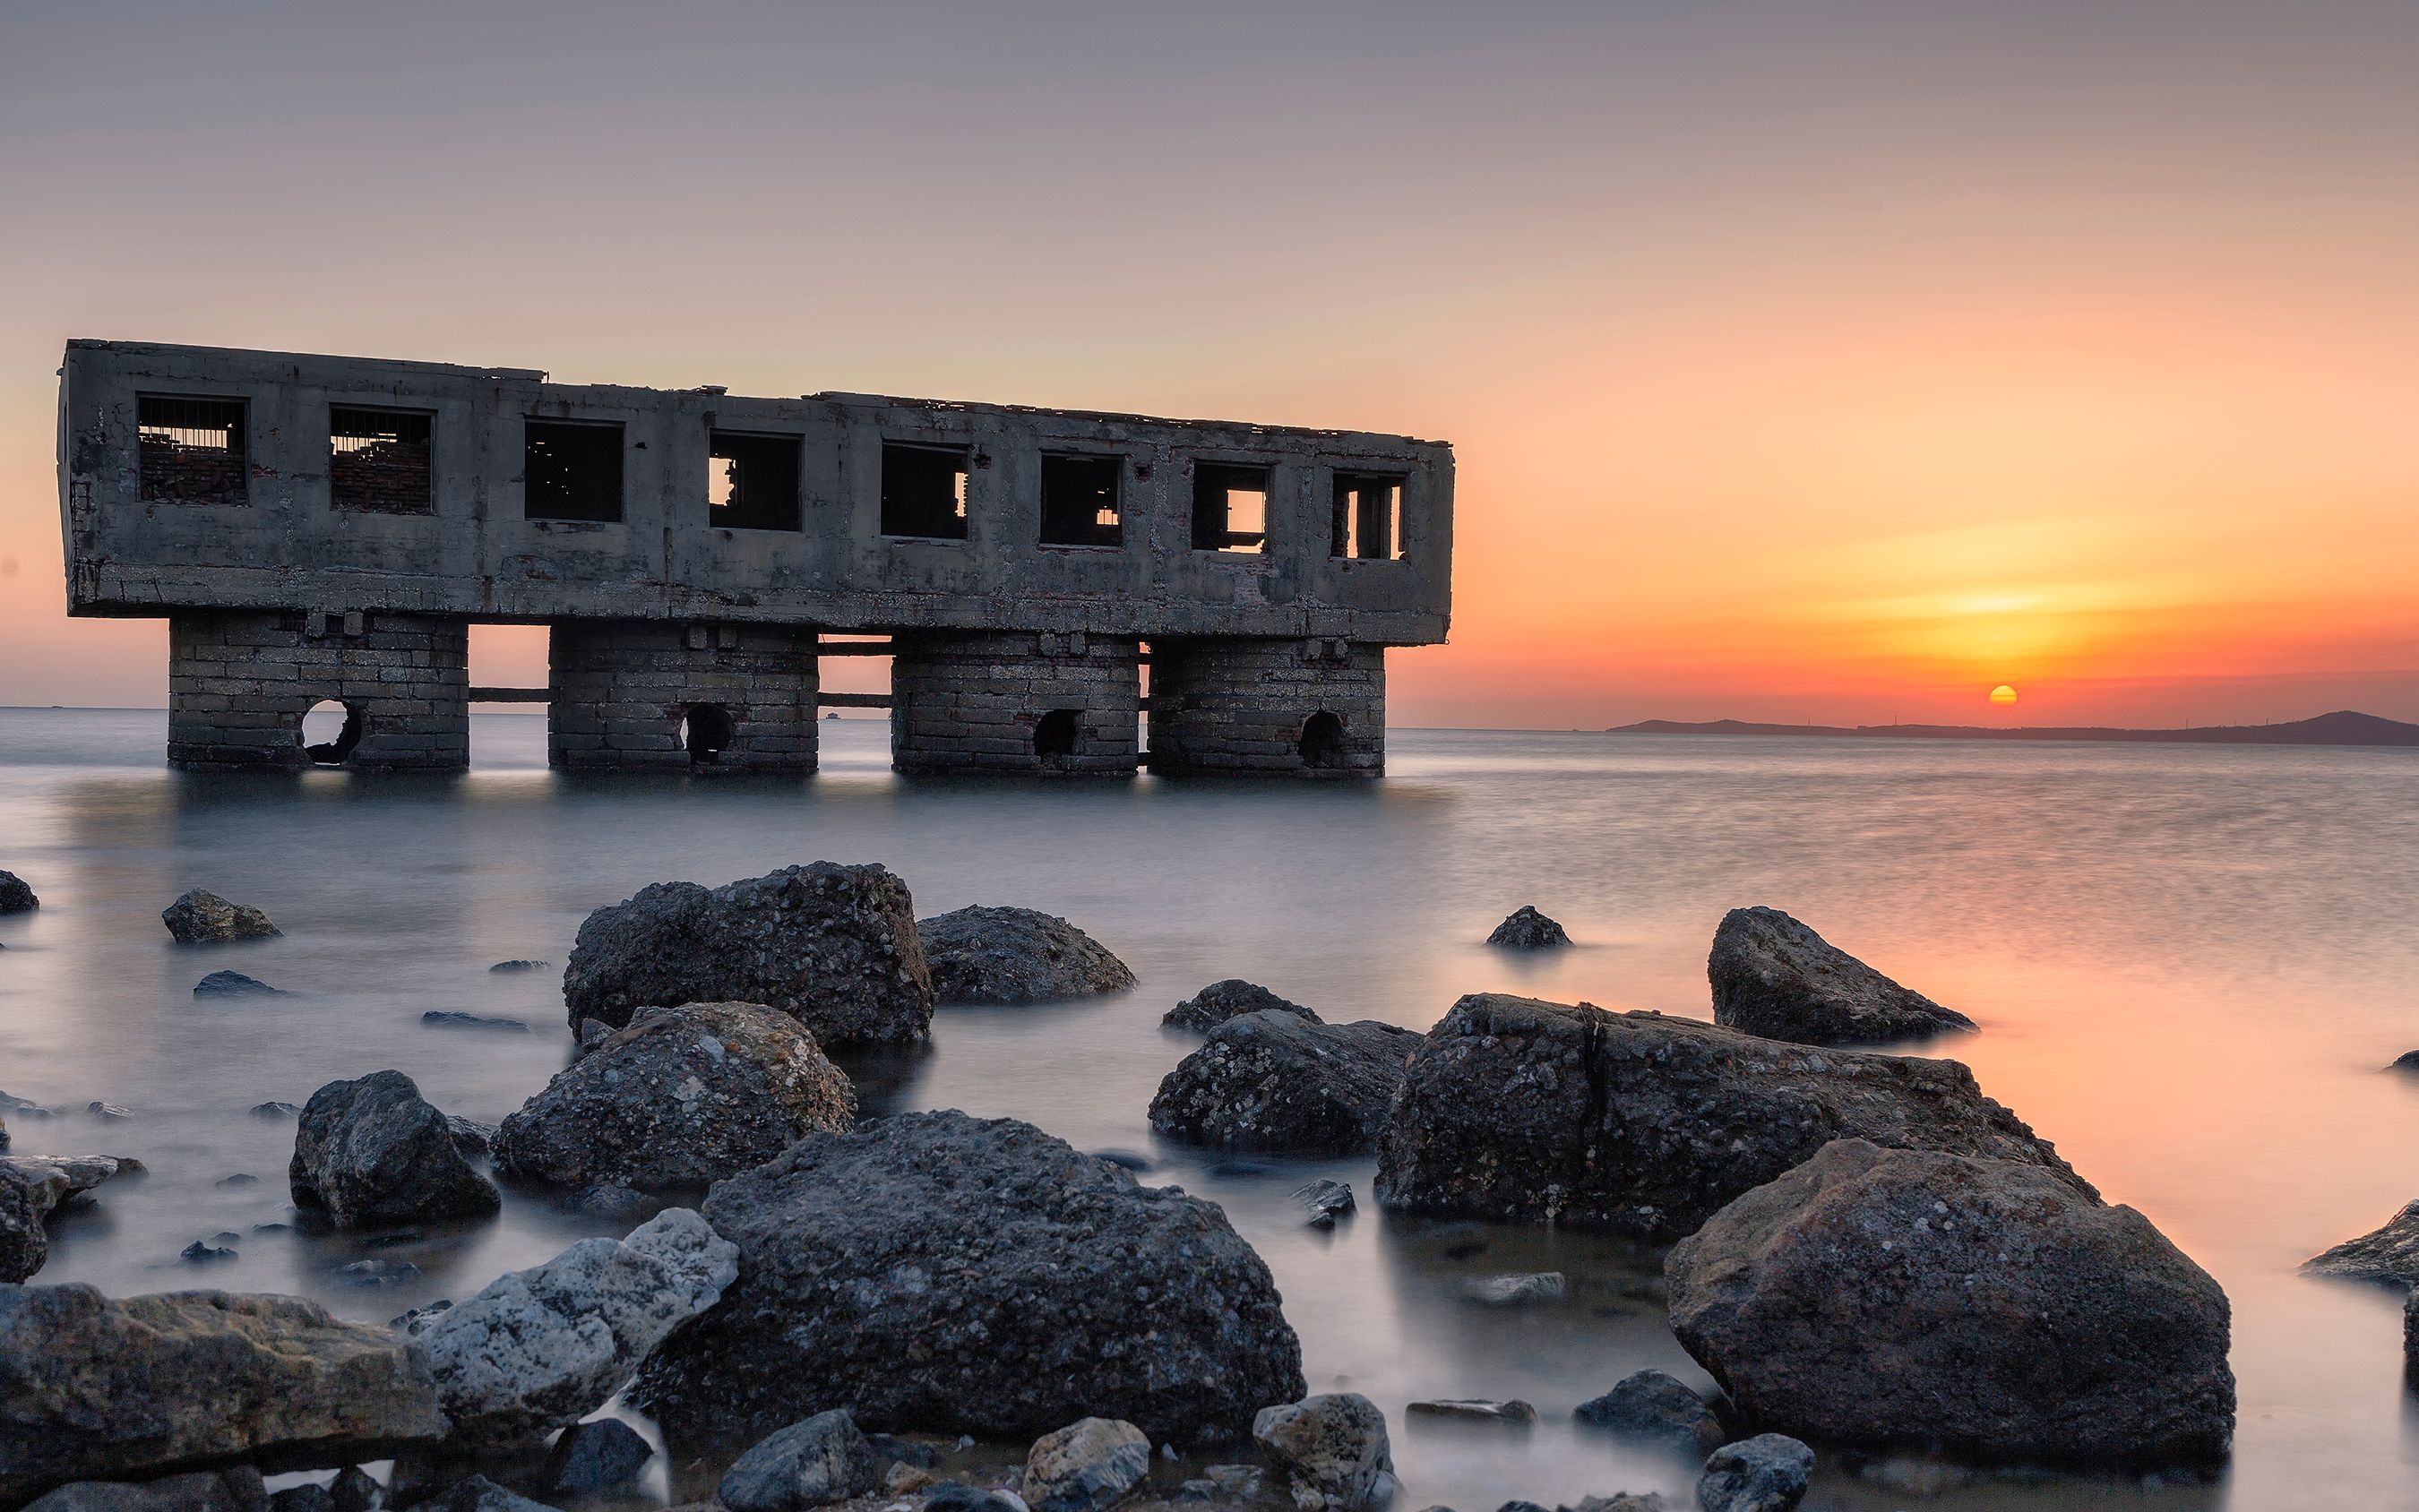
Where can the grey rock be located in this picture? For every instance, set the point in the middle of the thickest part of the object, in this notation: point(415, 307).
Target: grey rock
point(471, 1137)
point(1232, 998)
point(377, 1273)
point(1518, 1289)
point(1526, 929)
point(201, 917)
point(1327, 1200)
point(684, 1096)
point(1773, 977)
point(2388, 1255)
point(201, 1253)
point(834, 947)
point(2411, 1338)
point(1275, 1082)
point(1015, 955)
point(1085, 1466)
point(1537, 1112)
point(1623, 1501)
point(234, 984)
point(953, 1275)
point(33, 1187)
point(453, 1019)
point(275, 1110)
point(131, 1387)
point(1765, 1474)
point(310, 1496)
point(237, 1489)
point(821, 1460)
point(510, 967)
point(479, 1494)
point(1478, 1410)
point(2407, 1061)
point(542, 1347)
point(594, 1458)
point(15, 896)
point(1332, 1446)
point(373, 1151)
point(1654, 1404)
point(1894, 1298)
point(356, 1490)
point(608, 1199)
point(108, 1112)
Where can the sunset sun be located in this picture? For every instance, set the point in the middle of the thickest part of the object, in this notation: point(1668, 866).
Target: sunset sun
point(2003, 695)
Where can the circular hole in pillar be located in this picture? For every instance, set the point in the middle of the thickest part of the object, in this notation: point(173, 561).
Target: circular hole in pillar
point(705, 731)
point(330, 732)
point(1322, 740)
point(1054, 733)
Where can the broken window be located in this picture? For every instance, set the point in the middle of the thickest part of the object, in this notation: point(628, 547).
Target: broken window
point(1056, 733)
point(1322, 745)
point(1230, 507)
point(339, 727)
point(193, 451)
point(1079, 501)
point(706, 733)
point(752, 482)
point(924, 491)
point(1367, 520)
point(571, 470)
point(379, 460)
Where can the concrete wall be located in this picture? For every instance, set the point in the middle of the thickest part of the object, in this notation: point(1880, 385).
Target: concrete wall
point(621, 690)
point(238, 685)
point(1244, 707)
point(1048, 703)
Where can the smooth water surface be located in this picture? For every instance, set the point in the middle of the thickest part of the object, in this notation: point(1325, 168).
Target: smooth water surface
point(2189, 965)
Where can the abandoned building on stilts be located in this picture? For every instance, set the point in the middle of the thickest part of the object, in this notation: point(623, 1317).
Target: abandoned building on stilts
point(1047, 583)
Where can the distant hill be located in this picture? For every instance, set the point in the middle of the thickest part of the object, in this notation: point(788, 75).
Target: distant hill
point(2342, 728)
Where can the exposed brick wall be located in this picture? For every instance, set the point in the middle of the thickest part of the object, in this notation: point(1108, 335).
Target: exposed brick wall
point(1233, 706)
point(976, 700)
point(621, 688)
point(238, 685)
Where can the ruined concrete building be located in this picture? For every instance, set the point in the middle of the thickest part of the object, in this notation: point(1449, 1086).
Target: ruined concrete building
point(327, 529)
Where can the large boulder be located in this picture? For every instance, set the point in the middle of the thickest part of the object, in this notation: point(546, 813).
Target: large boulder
point(32, 1187)
point(2389, 1254)
point(15, 896)
point(202, 918)
point(964, 1275)
point(373, 1151)
point(684, 1096)
point(92, 1387)
point(834, 947)
point(1015, 955)
point(540, 1349)
point(1334, 1449)
point(1891, 1298)
point(1525, 929)
point(1773, 977)
point(1231, 998)
point(1276, 1082)
point(1535, 1111)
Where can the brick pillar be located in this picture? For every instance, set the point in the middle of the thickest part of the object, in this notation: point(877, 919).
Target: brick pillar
point(624, 689)
point(239, 682)
point(979, 701)
point(1314, 708)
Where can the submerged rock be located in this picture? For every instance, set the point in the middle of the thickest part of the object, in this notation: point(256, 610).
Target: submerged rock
point(234, 984)
point(1765, 1474)
point(821, 1459)
point(508, 967)
point(1654, 1404)
point(1894, 1298)
point(1516, 1291)
point(1478, 1409)
point(137, 1386)
point(834, 947)
point(1528, 929)
point(1530, 1111)
point(373, 1151)
point(1272, 1081)
point(1334, 1449)
point(540, 1349)
point(201, 917)
point(1773, 977)
point(441, 1018)
point(1327, 1200)
point(1232, 998)
point(962, 1276)
point(32, 1187)
point(1015, 955)
point(684, 1096)
point(15, 896)
point(471, 1137)
point(1085, 1466)
point(2389, 1254)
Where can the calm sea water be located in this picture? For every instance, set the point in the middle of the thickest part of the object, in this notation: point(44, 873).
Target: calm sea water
point(2189, 964)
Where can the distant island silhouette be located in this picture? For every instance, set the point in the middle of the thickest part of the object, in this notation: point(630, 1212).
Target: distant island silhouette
point(2342, 727)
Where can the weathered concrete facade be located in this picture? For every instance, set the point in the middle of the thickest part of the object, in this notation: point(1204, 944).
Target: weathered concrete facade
point(687, 546)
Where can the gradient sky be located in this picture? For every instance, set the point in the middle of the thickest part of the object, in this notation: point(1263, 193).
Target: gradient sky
point(1803, 361)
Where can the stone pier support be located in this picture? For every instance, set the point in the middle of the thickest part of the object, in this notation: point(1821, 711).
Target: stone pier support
point(239, 682)
point(645, 695)
point(1314, 707)
point(1026, 702)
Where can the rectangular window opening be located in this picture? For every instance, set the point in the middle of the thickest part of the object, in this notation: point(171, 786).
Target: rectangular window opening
point(1366, 522)
point(379, 460)
point(193, 451)
point(752, 482)
point(571, 470)
point(924, 491)
point(1080, 500)
point(1230, 507)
